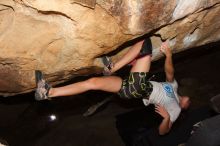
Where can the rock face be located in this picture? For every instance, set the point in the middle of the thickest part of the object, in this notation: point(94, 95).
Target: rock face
point(65, 38)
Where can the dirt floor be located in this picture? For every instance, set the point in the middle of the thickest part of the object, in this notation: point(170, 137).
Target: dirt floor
point(60, 122)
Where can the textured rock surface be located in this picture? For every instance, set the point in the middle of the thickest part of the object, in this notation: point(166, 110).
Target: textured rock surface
point(63, 38)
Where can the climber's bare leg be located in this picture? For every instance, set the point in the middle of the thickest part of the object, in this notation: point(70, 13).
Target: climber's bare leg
point(106, 83)
point(142, 64)
point(128, 57)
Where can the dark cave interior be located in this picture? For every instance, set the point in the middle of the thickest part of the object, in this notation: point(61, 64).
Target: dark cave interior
point(26, 122)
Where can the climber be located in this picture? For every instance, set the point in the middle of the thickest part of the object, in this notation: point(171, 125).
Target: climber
point(163, 94)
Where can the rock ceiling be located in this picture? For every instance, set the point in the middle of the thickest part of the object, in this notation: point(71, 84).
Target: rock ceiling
point(65, 38)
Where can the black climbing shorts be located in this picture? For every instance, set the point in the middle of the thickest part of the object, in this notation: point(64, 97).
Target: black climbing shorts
point(136, 86)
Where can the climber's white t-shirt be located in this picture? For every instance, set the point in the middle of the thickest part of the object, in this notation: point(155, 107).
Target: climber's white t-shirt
point(165, 94)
